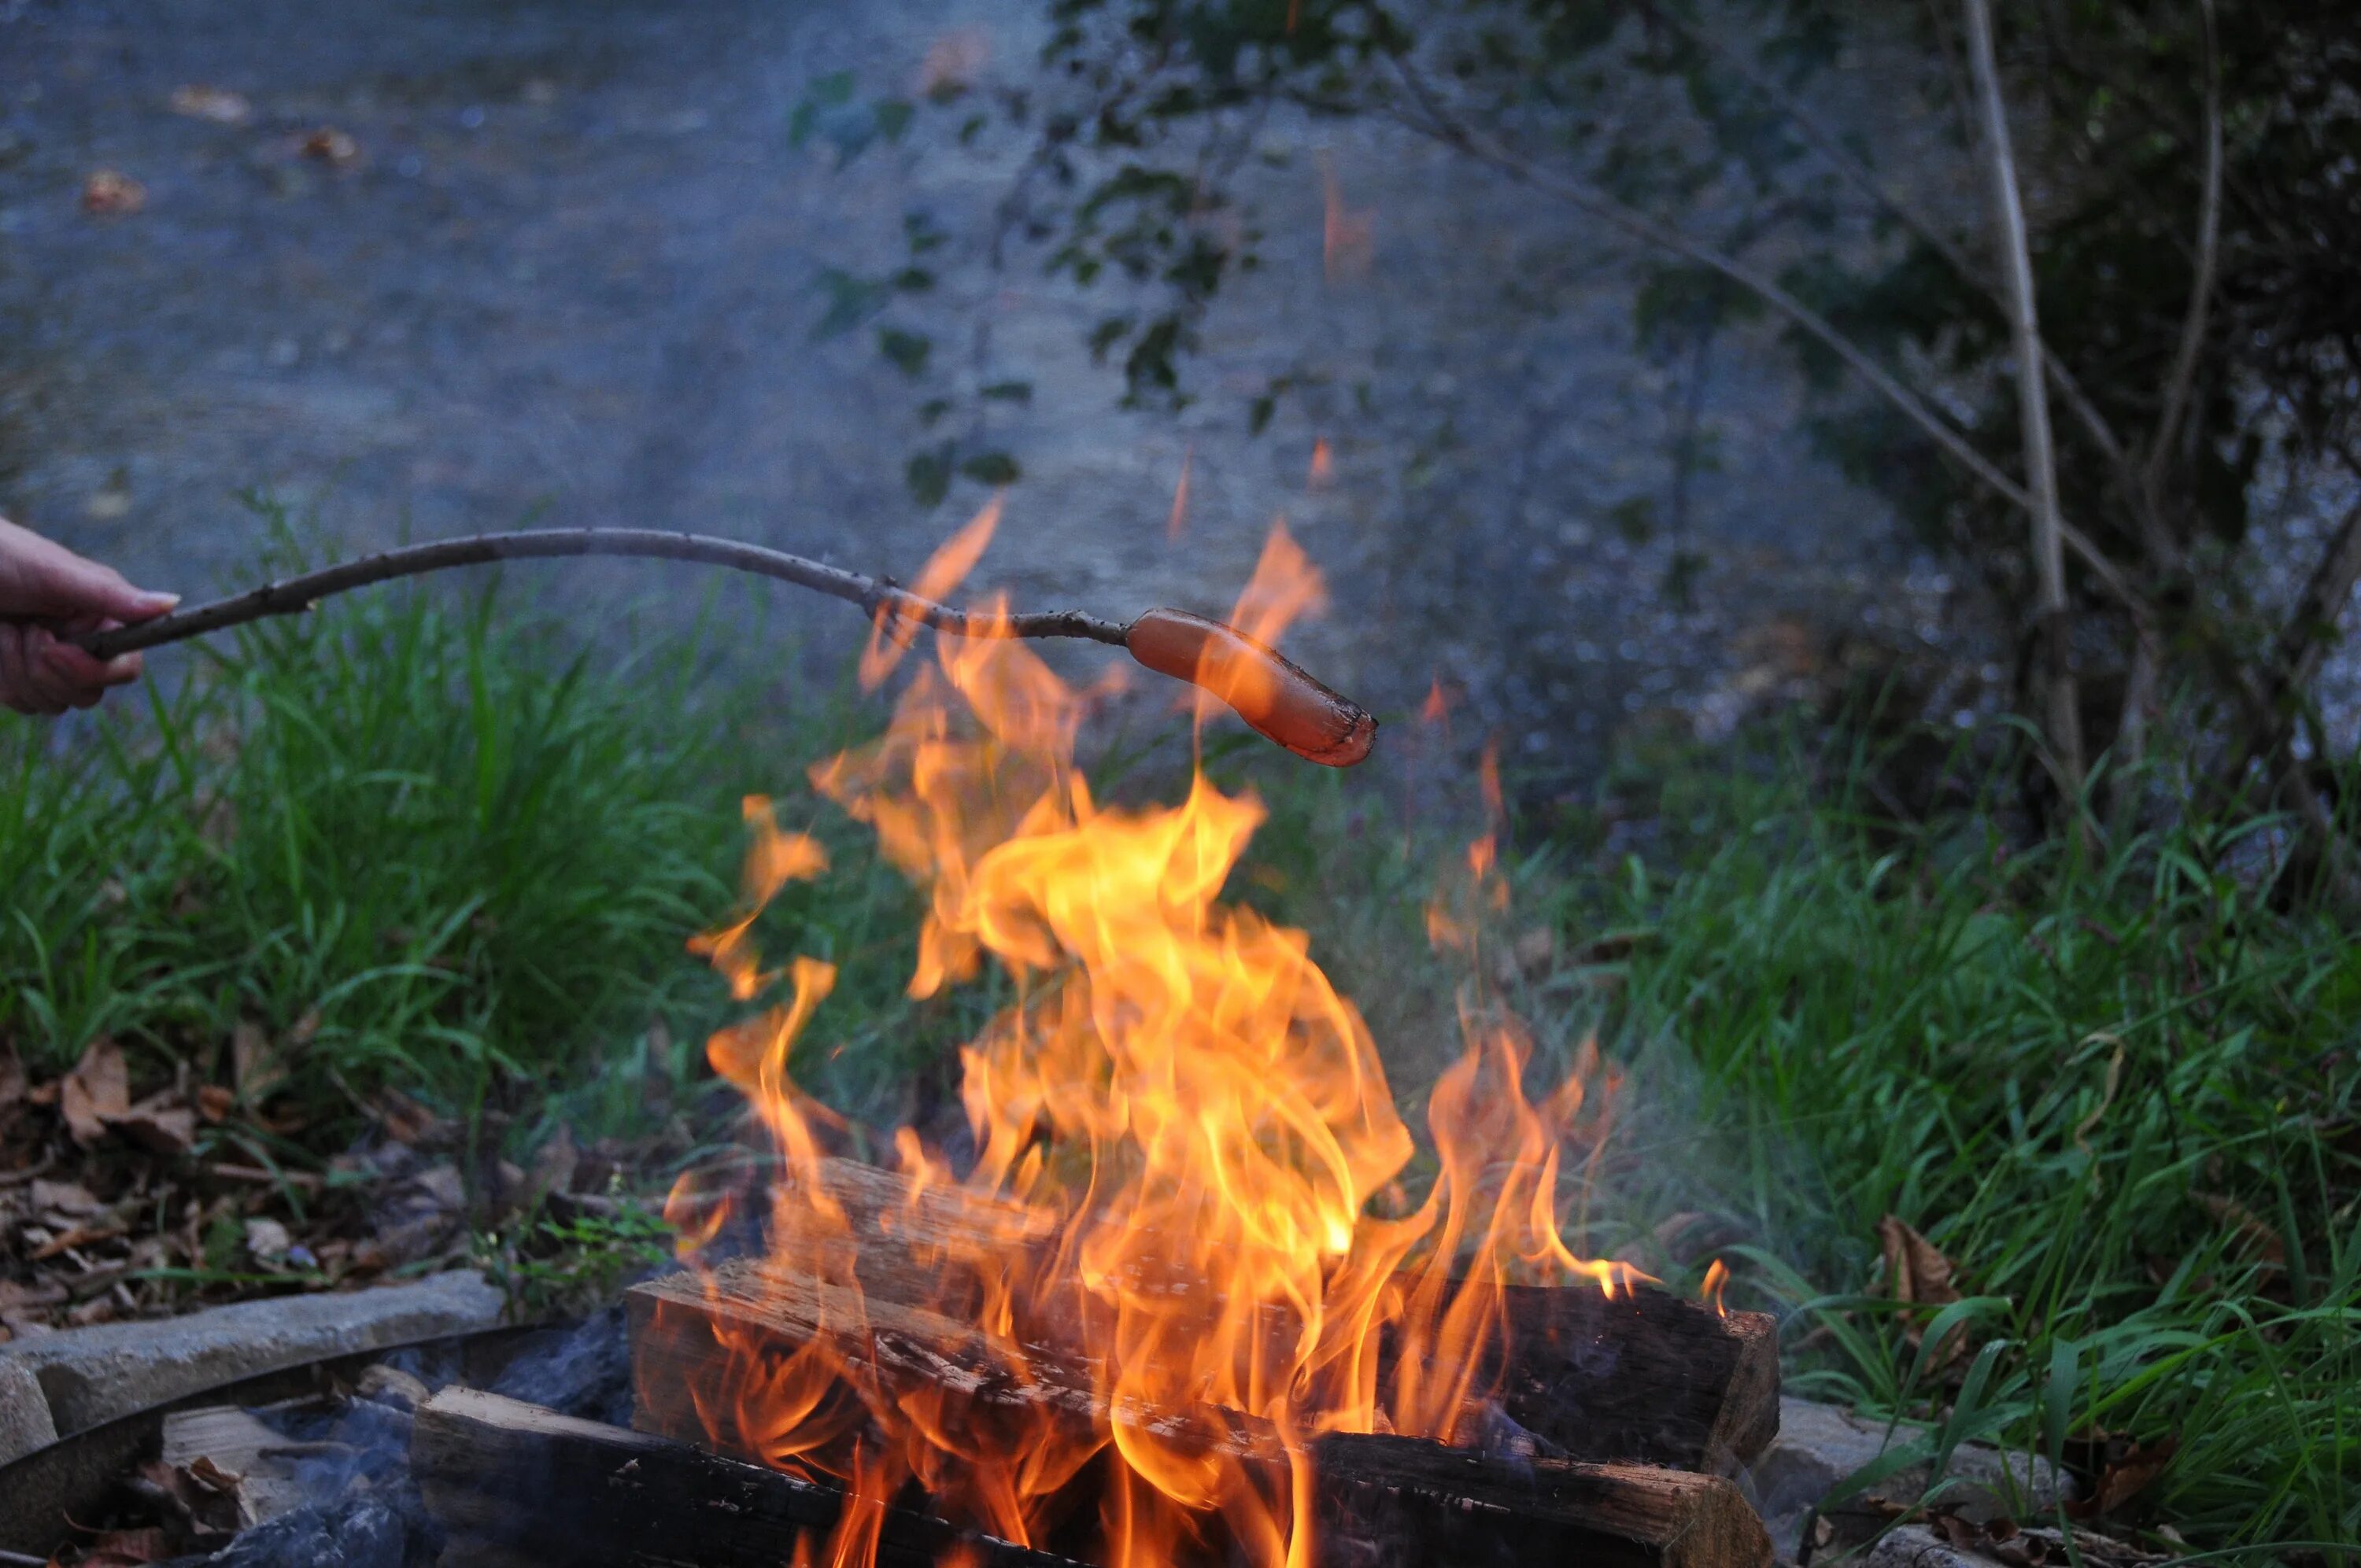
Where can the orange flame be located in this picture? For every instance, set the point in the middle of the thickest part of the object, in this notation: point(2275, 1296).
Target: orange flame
point(1179, 520)
point(1347, 238)
point(1187, 1160)
point(946, 569)
point(1324, 467)
point(1717, 1278)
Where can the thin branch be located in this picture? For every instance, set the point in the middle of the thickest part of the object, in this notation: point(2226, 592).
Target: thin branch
point(1277, 699)
point(293, 595)
point(1865, 179)
point(2200, 291)
point(2064, 725)
point(2304, 643)
point(1440, 125)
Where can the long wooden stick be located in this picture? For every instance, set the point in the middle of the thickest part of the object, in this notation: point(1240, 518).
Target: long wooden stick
point(293, 595)
point(1274, 696)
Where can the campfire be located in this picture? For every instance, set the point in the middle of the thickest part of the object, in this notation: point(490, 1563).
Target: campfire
point(1187, 1291)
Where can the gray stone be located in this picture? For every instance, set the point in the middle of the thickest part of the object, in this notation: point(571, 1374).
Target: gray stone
point(1819, 1445)
point(1916, 1546)
point(96, 1373)
point(24, 1424)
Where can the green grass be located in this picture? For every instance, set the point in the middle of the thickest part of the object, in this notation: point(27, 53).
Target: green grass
point(2105, 1090)
point(456, 855)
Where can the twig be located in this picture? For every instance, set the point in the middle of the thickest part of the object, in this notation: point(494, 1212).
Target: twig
point(1439, 125)
point(2200, 291)
point(293, 595)
point(2064, 725)
point(1865, 179)
point(1277, 699)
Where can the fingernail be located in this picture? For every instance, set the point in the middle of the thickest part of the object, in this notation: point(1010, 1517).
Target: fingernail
point(149, 598)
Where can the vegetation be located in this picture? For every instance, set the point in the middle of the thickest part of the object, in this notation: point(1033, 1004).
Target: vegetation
point(2117, 1094)
point(2188, 170)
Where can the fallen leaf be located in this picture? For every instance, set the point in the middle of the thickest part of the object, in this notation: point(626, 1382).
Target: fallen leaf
point(2258, 1240)
point(331, 145)
point(215, 1102)
point(1915, 1271)
point(267, 1240)
point(2124, 1476)
point(203, 101)
point(96, 1091)
point(553, 1165)
point(17, 1298)
point(111, 194)
point(1918, 1274)
point(255, 1066)
point(128, 1548)
point(405, 1120)
point(70, 1198)
point(159, 1123)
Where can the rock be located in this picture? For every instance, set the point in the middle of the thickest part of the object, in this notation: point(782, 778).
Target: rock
point(24, 1424)
point(1819, 1445)
point(1916, 1546)
point(93, 1375)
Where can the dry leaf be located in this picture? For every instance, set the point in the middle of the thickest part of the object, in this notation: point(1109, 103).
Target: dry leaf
point(553, 1165)
point(2255, 1238)
point(202, 100)
point(1915, 1271)
point(2125, 1477)
point(1918, 1274)
point(405, 1120)
point(215, 1102)
point(96, 1091)
point(267, 1240)
point(160, 1123)
point(70, 1198)
point(255, 1064)
point(128, 1548)
point(330, 145)
point(110, 192)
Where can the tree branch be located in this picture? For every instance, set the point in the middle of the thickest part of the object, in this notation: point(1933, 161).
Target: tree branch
point(293, 595)
point(1438, 124)
point(2200, 291)
point(1865, 179)
point(2064, 726)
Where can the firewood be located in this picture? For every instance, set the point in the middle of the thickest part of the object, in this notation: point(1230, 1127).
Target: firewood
point(511, 1483)
point(1394, 1502)
point(1384, 1501)
point(1645, 1377)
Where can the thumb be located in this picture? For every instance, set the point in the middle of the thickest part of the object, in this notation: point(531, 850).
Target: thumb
point(53, 581)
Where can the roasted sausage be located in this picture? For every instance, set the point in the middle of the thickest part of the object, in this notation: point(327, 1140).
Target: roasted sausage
point(1280, 701)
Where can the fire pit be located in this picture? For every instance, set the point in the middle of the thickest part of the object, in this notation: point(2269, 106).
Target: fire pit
point(1169, 1302)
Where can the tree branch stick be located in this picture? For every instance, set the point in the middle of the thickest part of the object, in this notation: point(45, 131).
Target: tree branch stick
point(1438, 124)
point(1277, 699)
point(293, 595)
point(1865, 179)
point(2200, 291)
point(2064, 726)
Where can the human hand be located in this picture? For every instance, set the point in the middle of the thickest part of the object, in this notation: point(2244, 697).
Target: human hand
point(48, 593)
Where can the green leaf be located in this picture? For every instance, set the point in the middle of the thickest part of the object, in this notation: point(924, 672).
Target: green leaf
point(929, 475)
point(1007, 391)
point(894, 117)
point(907, 350)
point(995, 468)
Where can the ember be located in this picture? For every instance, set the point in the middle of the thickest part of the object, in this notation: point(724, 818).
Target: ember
point(1180, 1269)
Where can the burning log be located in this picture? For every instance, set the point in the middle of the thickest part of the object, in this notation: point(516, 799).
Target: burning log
point(1643, 1377)
point(512, 1483)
